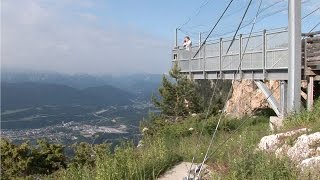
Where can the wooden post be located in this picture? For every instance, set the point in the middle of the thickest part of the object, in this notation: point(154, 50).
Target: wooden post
point(310, 93)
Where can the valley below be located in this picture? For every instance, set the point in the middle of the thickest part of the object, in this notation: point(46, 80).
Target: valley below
point(68, 109)
point(69, 124)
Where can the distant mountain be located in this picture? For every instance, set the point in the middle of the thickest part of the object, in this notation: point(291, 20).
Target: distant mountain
point(108, 93)
point(19, 95)
point(142, 85)
point(79, 81)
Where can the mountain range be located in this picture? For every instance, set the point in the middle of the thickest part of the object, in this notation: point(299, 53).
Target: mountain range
point(31, 94)
point(24, 89)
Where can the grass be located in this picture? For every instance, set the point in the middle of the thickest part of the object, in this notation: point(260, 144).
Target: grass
point(167, 143)
point(305, 119)
point(127, 162)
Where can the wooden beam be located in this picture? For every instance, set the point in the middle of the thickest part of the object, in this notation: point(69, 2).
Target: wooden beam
point(313, 46)
point(310, 93)
point(317, 58)
point(313, 54)
point(313, 63)
point(313, 39)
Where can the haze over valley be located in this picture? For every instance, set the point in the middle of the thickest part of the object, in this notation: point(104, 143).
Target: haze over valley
point(73, 108)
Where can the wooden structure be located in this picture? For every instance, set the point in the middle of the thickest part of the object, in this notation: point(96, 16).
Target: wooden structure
point(311, 64)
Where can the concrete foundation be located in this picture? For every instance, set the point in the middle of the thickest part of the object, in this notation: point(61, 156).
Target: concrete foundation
point(275, 123)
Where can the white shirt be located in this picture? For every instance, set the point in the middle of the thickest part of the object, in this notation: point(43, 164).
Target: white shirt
point(187, 45)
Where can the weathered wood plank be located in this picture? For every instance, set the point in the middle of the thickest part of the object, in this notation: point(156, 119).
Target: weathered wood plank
point(313, 54)
point(313, 58)
point(313, 39)
point(316, 63)
point(313, 46)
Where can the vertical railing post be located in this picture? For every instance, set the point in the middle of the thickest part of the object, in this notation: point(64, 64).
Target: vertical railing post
point(240, 57)
point(220, 57)
point(264, 53)
point(177, 48)
point(204, 62)
point(199, 63)
point(190, 56)
point(176, 38)
point(200, 41)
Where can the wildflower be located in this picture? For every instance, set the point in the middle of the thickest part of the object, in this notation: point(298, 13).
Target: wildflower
point(144, 129)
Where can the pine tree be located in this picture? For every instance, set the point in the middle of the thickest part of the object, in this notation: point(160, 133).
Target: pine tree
point(179, 96)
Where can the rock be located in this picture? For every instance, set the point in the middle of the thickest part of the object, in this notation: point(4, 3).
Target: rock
point(269, 143)
point(282, 151)
point(275, 123)
point(300, 148)
point(311, 165)
point(305, 147)
point(247, 97)
point(272, 142)
point(254, 99)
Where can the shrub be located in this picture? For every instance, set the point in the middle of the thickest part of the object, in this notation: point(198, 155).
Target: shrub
point(178, 98)
point(24, 160)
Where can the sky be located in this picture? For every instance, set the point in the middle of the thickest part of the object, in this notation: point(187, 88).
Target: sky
point(121, 36)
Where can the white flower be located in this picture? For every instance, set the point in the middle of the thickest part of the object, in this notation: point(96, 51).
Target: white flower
point(144, 130)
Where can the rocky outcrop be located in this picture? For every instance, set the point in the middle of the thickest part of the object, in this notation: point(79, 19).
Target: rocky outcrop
point(311, 165)
point(273, 142)
point(305, 146)
point(247, 97)
point(301, 148)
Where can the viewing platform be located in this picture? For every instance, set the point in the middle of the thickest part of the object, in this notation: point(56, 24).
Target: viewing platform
point(260, 56)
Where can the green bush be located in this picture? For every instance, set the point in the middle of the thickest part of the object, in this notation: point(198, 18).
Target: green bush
point(25, 160)
point(86, 154)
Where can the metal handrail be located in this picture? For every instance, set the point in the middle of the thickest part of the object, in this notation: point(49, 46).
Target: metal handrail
point(232, 58)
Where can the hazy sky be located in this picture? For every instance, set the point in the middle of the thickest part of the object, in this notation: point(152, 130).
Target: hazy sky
point(119, 36)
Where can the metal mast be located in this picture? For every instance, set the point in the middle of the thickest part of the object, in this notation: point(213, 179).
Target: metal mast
point(294, 68)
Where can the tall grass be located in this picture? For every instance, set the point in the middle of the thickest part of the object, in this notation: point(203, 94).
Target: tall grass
point(167, 143)
point(305, 119)
point(128, 162)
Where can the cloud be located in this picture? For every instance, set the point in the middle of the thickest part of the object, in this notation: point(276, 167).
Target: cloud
point(69, 37)
point(88, 16)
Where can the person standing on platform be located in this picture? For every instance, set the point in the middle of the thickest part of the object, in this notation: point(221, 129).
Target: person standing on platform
point(187, 43)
